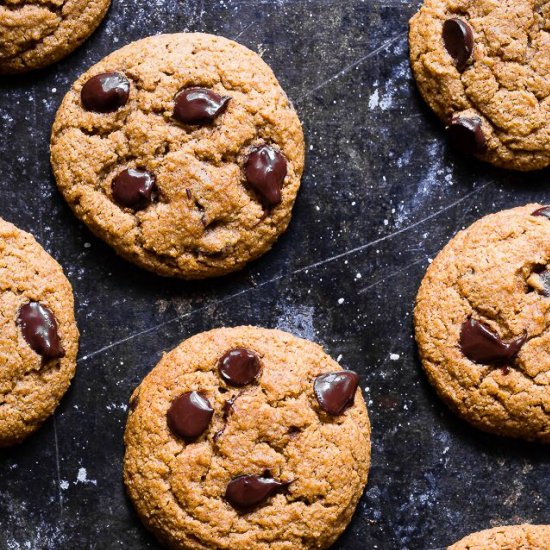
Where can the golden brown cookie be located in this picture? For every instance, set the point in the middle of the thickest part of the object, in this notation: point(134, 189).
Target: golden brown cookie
point(36, 33)
point(39, 338)
point(182, 152)
point(483, 68)
point(247, 438)
point(482, 322)
point(512, 537)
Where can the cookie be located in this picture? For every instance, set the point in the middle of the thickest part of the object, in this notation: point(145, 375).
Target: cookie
point(182, 152)
point(513, 537)
point(482, 322)
point(247, 438)
point(483, 68)
point(36, 33)
point(39, 338)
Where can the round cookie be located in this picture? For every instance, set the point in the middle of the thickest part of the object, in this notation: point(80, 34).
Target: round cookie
point(483, 68)
point(36, 33)
point(512, 537)
point(247, 438)
point(482, 322)
point(39, 337)
point(182, 152)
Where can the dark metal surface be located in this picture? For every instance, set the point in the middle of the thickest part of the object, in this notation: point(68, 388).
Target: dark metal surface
point(381, 195)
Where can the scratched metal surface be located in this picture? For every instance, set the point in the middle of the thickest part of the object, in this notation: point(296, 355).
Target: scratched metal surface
point(381, 195)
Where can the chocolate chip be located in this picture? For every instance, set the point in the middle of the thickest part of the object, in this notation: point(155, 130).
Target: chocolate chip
point(198, 105)
point(466, 135)
point(105, 93)
point(335, 391)
point(265, 172)
point(39, 328)
point(544, 211)
point(247, 492)
point(189, 415)
point(239, 367)
point(481, 345)
point(134, 188)
point(458, 38)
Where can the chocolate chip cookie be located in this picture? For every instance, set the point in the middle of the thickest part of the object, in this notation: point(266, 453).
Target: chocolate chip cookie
point(483, 68)
point(39, 338)
point(36, 33)
point(182, 152)
point(512, 537)
point(482, 322)
point(247, 438)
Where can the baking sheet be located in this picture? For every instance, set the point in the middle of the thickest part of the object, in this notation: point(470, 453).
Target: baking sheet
point(382, 193)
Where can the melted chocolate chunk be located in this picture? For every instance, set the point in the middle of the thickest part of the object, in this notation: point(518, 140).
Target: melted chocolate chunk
point(198, 105)
point(239, 367)
point(134, 188)
point(335, 391)
point(466, 135)
point(247, 492)
point(189, 415)
point(265, 172)
point(458, 38)
point(481, 345)
point(105, 93)
point(544, 211)
point(39, 328)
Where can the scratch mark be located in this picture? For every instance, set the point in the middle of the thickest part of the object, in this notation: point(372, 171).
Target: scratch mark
point(351, 66)
point(383, 279)
point(57, 466)
point(244, 30)
point(295, 272)
point(395, 233)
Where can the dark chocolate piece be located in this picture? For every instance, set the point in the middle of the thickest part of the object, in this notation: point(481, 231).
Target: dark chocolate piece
point(39, 328)
point(190, 415)
point(239, 367)
point(458, 38)
point(265, 171)
point(105, 93)
point(134, 188)
point(481, 345)
point(249, 491)
point(335, 391)
point(466, 135)
point(198, 105)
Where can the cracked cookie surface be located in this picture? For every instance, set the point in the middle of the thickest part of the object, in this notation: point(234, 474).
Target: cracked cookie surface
point(503, 84)
point(492, 273)
point(36, 370)
point(274, 422)
point(36, 33)
point(511, 537)
point(206, 219)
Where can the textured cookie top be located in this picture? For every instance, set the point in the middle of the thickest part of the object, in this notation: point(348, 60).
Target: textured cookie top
point(482, 323)
point(512, 537)
point(36, 33)
point(196, 127)
point(262, 465)
point(483, 66)
point(39, 338)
